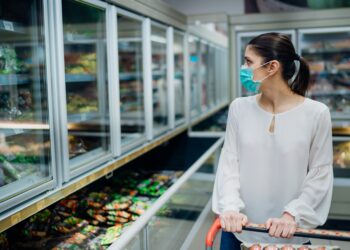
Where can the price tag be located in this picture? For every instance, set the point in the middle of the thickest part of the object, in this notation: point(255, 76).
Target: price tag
point(8, 25)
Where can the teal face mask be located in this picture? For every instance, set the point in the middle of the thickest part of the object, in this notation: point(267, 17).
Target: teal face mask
point(247, 75)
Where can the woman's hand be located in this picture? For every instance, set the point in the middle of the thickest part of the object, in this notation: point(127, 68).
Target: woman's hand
point(284, 227)
point(233, 221)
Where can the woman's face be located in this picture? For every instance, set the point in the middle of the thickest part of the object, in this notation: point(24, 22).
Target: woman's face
point(254, 61)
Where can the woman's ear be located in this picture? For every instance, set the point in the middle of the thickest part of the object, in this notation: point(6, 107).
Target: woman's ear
point(274, 66)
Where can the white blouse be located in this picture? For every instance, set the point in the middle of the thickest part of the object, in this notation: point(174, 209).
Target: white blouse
point(262, 174)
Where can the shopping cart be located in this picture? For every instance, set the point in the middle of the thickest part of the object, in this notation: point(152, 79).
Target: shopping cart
point(309, 233)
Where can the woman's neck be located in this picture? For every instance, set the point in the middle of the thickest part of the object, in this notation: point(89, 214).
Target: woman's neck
point(278, 98)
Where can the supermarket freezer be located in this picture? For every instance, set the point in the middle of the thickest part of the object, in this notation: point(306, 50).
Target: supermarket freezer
point(328, 52)
point(170, 185)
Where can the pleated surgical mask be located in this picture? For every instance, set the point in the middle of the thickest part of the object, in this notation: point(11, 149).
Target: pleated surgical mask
point(247, 78)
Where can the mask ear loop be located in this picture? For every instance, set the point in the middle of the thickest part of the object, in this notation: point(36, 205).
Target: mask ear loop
point(297, 68)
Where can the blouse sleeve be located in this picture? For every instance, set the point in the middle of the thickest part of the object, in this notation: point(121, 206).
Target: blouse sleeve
point(226, 195)
point(311, 208)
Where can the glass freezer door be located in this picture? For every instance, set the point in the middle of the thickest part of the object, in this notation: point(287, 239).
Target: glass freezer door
point(204, 74)
point(159, 79)
point(243, 39)
point(130, 56)
point(86, 82)
point(179, 82)
point(328, 54)
point(212, 77)
point(195, 89)
point(25, 158)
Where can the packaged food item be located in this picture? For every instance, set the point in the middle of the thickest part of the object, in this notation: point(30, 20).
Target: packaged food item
point(117, 219)
point(255, 247)
point(122, 214)
point(287, 247)
point(116, 205)
point(303, 248)
point(112, 233)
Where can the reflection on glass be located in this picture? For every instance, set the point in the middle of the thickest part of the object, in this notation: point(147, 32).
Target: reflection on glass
point(328, 55)
point(204, 74)
point(24, 118)
point(179, 214)
point(159, 76)
point(179, 82)
point(341, 156)
point(130, 78)
point(211, 77)
point(86, 80)
point(194, 49)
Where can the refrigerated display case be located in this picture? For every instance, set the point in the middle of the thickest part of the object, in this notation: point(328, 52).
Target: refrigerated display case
point(179, 215)
point(159, 79)
point(85, 62)
point(132, 109)
point(195, 88)
point(174, 219)
point(100, 214)
point(327, 51)
point(243, 38)
point(179, 80)
point(25, 141)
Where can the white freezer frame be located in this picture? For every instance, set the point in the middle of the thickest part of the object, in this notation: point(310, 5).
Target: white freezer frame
point(122, 148)
point(68, 171)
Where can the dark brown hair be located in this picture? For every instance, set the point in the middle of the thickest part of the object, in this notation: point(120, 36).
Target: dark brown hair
point(276, 46)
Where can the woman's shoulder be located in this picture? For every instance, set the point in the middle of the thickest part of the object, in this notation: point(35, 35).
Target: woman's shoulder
point(244, 100)
point(316, 106)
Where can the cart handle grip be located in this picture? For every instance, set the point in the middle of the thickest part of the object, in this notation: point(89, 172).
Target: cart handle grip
point(212, 232)
point(300, 232)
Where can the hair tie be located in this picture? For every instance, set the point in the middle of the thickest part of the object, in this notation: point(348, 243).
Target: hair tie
point(297, 68)
point(296, 57)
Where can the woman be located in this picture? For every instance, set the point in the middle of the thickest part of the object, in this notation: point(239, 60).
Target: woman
point(275, 167)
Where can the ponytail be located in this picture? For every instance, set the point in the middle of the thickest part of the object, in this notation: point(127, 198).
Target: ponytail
point(300, 84)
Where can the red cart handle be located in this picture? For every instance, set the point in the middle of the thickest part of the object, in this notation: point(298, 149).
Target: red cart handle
point(310, 233)
point(212, 232)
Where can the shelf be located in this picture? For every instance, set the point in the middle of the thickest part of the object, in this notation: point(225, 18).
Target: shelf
point(14, 79)
point(328, 93)
point(74, 78)
point(158, 73)
point(12, 27)
point(127, 76)
point(324, 51)
point(82, 117)
point(341, 116)
point(70, 38)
